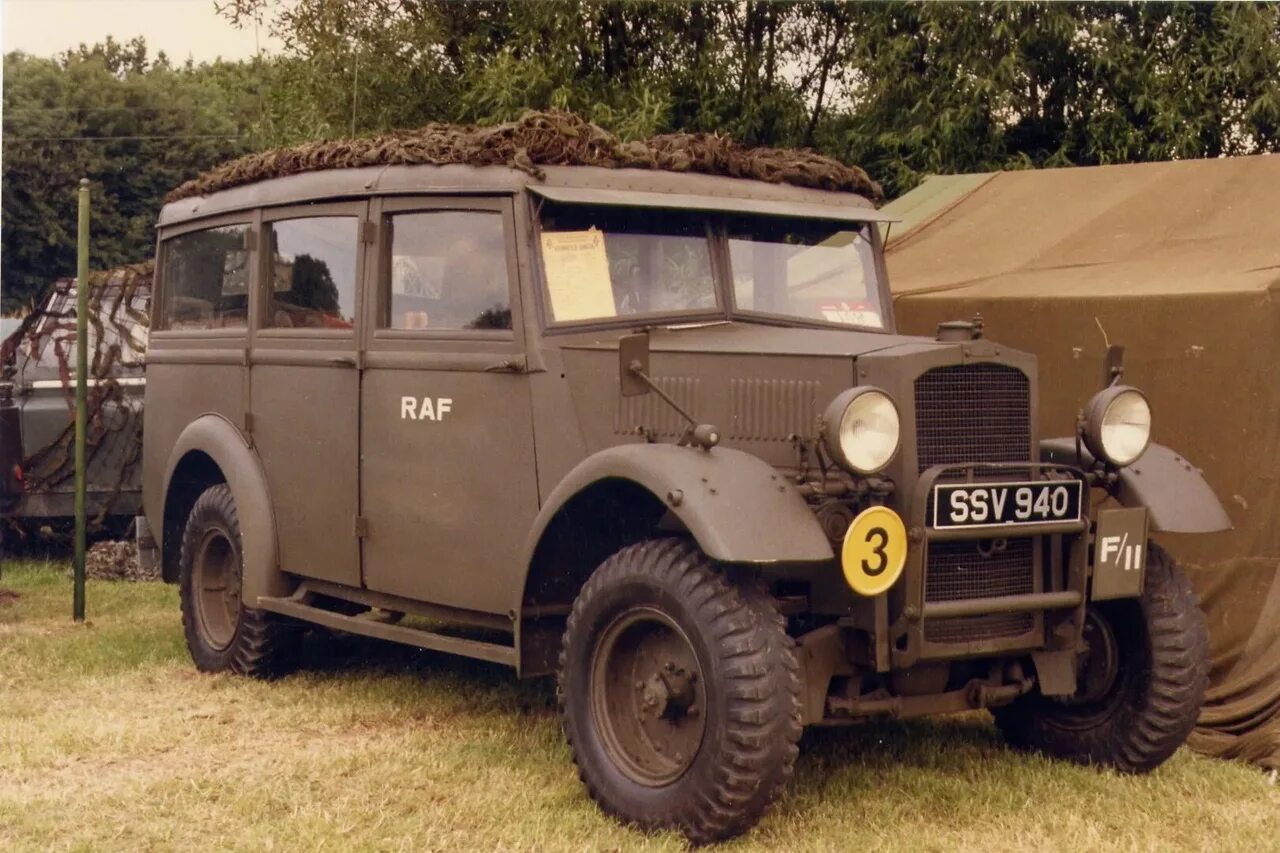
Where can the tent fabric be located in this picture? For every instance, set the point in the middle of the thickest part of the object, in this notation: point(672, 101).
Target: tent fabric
point(933, 198)
point(1180, 263)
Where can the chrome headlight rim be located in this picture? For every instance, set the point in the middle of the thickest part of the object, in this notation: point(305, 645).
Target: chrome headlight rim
point(1096, 419)
point(834, 428)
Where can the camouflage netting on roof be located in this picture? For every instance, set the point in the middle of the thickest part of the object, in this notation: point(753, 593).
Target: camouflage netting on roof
point(554, 138)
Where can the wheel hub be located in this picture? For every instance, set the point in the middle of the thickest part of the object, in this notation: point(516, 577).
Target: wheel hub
point(669, 693)
point(1100, 663)
point(647, 697)
point(217, 580)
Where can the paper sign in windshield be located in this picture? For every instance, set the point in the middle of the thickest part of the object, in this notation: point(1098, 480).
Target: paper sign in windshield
point(852, 313)
point(577, 271)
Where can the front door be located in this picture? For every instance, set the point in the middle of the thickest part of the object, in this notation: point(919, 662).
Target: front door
point(304, 384)
point(447, 474)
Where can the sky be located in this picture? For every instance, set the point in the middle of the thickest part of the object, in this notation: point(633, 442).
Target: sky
point(181, 28)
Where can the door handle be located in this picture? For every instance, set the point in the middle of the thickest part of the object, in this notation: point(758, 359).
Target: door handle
point(515, 364)
point(342, 360)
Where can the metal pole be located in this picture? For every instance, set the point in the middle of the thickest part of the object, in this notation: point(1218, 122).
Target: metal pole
point(82, 386)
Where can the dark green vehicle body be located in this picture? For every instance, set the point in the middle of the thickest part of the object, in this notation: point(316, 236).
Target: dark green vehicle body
point(479, 476)
point(37, 362)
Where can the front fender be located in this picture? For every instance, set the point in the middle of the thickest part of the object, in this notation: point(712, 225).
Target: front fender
point(1171, 488)
point(218, 438)
point(738, 508)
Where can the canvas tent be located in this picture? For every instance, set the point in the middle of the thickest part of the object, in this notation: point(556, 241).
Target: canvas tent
point(1180, 263)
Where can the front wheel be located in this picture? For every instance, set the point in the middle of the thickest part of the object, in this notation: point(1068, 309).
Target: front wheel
point(679, 691)
point(222, 634)
point(1140, 684)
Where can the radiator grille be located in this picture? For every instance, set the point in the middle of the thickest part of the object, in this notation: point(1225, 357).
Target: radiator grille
point(959, 570)
point(973, 413)
point(966, 629)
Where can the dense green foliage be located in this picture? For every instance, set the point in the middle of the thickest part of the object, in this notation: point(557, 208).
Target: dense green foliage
point(902, 89)
point(135, 126)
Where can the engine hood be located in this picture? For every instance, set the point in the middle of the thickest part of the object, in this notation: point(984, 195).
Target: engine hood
point(751, 339)
point(764, 387)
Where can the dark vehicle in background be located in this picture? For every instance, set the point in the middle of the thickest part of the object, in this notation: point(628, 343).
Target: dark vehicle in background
point(37, 408)
point(655, 434)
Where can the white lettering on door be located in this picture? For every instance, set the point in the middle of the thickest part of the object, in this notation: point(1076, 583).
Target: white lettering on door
point(429, 409)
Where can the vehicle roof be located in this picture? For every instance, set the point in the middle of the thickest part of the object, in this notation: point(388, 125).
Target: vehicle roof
point(456, 179)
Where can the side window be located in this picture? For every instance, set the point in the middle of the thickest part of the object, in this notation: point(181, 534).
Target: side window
point(448, 271)
point(206, 279)
point(313, 273)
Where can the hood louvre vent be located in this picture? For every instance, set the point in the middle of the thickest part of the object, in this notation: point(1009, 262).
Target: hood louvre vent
point(651, 413)
point(772, 409)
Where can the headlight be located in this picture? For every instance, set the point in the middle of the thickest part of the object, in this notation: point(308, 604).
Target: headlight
point(1118, 424)
point(862, 429)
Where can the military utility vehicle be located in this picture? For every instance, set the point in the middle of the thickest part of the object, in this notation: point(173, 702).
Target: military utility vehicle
point(654, 434)
point(37, 410)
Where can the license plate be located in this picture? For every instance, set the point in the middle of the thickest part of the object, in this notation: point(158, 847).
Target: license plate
point(1005, 504)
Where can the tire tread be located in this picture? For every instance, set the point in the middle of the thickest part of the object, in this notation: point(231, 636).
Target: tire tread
point(762, 689)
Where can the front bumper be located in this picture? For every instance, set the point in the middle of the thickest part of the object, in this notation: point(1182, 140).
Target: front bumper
point(1032, 596)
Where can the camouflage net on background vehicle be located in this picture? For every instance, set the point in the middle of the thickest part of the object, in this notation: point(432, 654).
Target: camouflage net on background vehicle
point(43, 349)
point(554, 138)
point(117, 561)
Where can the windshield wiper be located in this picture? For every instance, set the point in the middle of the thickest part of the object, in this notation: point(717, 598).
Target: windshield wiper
point(696, 324)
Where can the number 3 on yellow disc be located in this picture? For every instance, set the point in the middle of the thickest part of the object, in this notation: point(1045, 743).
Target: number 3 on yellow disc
point(875, 550)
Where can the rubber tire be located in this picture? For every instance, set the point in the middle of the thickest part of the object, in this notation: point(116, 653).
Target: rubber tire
point(750, 673)
point(1164, 679)
point(264, 645)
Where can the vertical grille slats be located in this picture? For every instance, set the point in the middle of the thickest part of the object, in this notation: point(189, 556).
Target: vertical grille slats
point(958, 571)
point(975, 413)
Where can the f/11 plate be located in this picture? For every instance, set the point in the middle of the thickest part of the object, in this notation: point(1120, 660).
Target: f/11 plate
point(1005, 505)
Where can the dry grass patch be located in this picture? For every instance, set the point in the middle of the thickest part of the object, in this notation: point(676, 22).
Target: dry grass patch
point(109, 740)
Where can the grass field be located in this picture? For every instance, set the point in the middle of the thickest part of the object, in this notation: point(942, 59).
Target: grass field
point(110, 740)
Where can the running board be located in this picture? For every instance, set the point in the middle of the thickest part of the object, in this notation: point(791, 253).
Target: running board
point(494, 652)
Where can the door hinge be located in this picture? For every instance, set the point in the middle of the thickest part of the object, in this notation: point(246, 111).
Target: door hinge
point(248, 421)
point(360, 528)
point(250, 240)
point(368, 232)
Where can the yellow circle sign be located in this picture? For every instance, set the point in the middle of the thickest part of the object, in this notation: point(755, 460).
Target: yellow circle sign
point(875, 550)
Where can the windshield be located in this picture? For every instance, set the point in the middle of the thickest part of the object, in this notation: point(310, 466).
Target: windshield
point(806, 269)
point(602, 263)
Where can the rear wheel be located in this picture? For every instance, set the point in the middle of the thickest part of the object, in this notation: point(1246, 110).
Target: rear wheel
point(679, 692)
point(1139, 687)
point(222, 634)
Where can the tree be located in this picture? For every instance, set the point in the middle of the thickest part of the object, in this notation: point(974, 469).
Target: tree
point(135, 126)
point(953, 88)
point(903, 89)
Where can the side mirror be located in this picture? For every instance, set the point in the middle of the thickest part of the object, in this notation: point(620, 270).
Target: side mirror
point(633, 363)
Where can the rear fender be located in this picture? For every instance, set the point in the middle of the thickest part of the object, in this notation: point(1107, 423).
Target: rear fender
point(217, 438)
point(1171, 488)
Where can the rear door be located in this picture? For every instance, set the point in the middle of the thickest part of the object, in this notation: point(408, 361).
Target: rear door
point(447, 473)
point(305, 383)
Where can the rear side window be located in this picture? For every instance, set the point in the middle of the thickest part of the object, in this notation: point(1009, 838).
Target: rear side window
point(313, 279)
point(448, 272)
point(206, 279)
